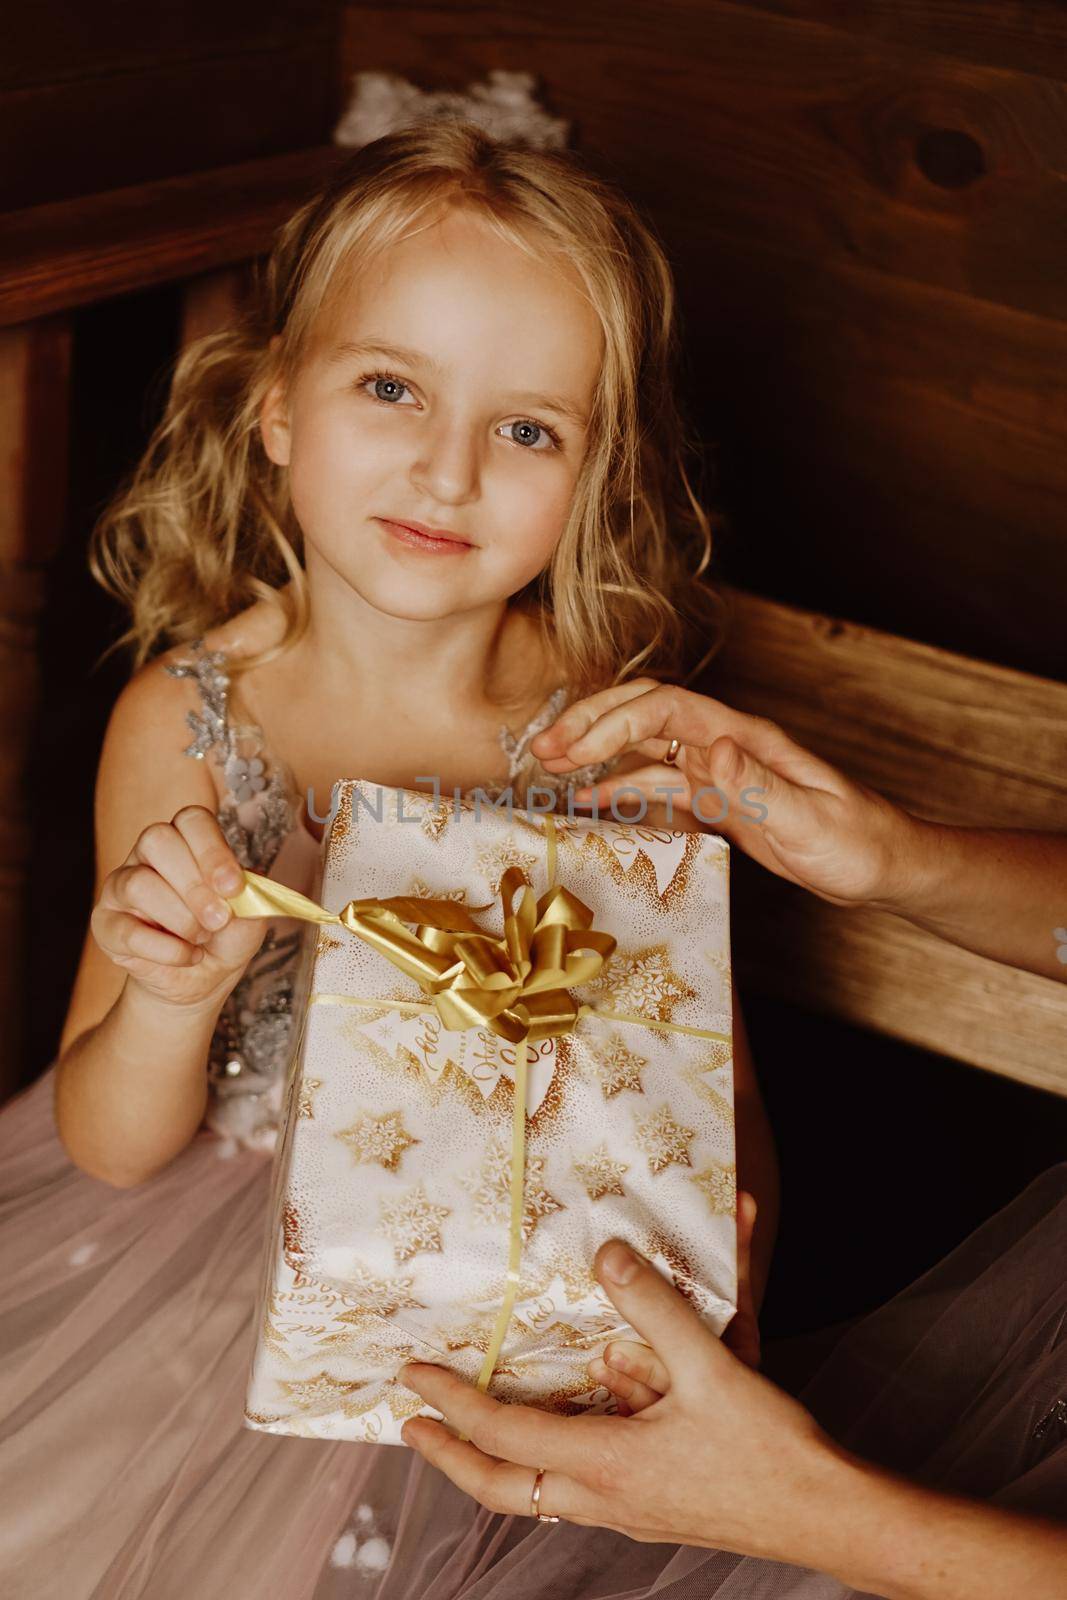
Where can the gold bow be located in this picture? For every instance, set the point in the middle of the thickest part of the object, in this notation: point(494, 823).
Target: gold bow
point(516, 984)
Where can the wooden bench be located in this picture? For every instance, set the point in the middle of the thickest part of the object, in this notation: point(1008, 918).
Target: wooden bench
point(953, 740)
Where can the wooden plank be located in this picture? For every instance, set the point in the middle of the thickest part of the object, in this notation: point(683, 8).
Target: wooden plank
point(788, 130)
point(993, 33)
point(56, 41)
point(76, 252)
point(882, 973)
point(954, 740)
point(257, 106)
point(34, 406)
point(888, 451)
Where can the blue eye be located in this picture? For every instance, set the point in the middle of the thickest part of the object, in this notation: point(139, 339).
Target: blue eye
point(382, 380)
point(537, 427)
point(386, 381)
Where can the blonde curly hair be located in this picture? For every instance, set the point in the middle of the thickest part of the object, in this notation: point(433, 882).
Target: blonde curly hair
point(204, 526)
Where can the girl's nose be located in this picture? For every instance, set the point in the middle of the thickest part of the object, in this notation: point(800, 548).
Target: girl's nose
point(448, 463)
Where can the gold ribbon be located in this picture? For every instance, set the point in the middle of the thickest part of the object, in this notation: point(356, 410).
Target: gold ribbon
point(515, 985)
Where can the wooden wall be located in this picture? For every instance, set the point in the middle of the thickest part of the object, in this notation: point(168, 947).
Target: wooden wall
point(864, 203)
point(108, 93)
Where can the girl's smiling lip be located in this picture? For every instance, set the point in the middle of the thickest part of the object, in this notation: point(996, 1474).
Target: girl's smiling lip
point(418, 537)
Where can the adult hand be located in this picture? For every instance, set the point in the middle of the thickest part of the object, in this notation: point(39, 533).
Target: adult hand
point(634, 1372)
point(723, 1458)
point(745, 778)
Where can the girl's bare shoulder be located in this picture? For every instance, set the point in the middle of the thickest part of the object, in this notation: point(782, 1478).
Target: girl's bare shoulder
point(145, 767)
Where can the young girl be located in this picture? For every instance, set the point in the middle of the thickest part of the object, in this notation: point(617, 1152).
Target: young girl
point(427, 493)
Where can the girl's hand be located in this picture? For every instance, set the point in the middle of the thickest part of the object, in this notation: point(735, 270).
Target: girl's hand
point(790, 811)
point(634, 1372)
point(162, 916)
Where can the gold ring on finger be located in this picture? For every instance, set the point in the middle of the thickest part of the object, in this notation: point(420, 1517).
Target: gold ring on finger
point(535, 1499)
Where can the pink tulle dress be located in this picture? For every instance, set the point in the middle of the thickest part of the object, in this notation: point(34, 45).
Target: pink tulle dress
point(126, 1331)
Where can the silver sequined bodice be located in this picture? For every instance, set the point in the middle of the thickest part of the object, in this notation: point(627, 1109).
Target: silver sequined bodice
point(260, 817)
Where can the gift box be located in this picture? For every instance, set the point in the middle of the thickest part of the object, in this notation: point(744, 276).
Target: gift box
point(515, 1044)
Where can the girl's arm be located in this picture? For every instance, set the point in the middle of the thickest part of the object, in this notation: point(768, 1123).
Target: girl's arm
point(130, 1079)
point(131, 1091)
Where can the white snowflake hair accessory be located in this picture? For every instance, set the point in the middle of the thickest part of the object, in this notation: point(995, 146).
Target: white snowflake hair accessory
point(504, 107)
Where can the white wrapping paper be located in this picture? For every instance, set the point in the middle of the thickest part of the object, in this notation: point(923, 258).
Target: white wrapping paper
point(388, 1238)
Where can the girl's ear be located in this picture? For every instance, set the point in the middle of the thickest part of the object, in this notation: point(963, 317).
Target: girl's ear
point(274, 424)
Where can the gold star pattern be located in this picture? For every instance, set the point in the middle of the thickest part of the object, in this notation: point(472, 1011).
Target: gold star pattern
point(321, 1392)
point(412, 1222)
point(403, 1402)
point(718, 1183)
point(382, 1139)
point(564, 1399)
point(644, 982)
point(307, 1096)
point(419, 889)
point(663, 1140)
point(577, 1275)
point(475, 1334)
point(494, 862)
point(491, 1188)
point(616, 1067)
point(376, 1297)
point(435, 818)
point(600, 1174)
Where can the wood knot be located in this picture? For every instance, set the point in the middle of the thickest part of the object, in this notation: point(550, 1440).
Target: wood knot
point(949, 158)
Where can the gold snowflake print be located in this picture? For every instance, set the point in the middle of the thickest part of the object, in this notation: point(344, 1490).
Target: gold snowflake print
point(475, 1334)
point(307, 1096)
point(322, 1392)
point(493, 862)
point(578, 1277)
point(376, 1296)
point(644, 982)
point(616, 1067)
point(436, 816)
point(491, 1188)
point(382, 1139)
point(601, 1174)
point(403, 1402)
point(719, 1184)
point(412, 1223)
point(663, 1140)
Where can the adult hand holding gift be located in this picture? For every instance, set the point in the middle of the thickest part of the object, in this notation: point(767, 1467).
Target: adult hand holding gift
point(715, 1455)
point(997, 891)
point(724, 1459)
